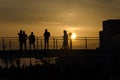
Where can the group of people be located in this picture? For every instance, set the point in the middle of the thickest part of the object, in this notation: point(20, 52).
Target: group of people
point(23, 37)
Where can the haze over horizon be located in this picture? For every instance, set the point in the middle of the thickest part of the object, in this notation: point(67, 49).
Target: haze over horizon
point(83, 17)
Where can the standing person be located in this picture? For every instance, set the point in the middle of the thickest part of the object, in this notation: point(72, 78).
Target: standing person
point(65, 40)
point(32, 40)
point(20, 39)
point(24, 38)
point(46, 39)
point(70, 35)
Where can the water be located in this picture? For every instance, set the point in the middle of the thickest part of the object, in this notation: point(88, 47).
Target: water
point(26, 61)
point(85, 68)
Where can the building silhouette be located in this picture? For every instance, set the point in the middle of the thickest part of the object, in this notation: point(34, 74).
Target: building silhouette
point(110, 36)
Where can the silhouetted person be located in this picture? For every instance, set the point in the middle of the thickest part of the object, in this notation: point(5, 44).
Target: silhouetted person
point(46, 39)
point(20, 35)
point(32, 40)
point(70, 35)
point(65, 40)
point(24, 38)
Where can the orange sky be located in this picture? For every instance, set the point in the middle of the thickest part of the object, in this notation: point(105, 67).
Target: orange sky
point(83, 17)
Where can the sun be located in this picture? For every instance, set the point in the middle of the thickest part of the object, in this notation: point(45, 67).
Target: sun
point(73, 36)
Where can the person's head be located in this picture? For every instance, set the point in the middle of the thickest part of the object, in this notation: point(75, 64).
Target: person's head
point(23, 32)
point(65, 31)
point(32, 33)
point(45, 30)
point(20, 31)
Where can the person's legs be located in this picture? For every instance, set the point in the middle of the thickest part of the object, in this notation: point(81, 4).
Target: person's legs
point(30, 46)
point(63, 46)
point(20, 45)
point(45, 44)
point(25, 47)
point(67, 45)
point(34, 46)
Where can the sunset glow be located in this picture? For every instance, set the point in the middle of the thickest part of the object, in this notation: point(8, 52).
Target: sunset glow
point(73, 36)
point(59, 39)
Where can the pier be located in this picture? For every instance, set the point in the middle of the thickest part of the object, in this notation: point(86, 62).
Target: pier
point(81, 46)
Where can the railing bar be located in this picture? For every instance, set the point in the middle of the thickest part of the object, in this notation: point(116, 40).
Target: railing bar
point(55, 44)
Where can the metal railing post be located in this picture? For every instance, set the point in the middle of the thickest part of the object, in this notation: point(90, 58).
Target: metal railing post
point(10, 45)
point(56, 43)
point(41, 43)
point(3, 44)
point(37, 43)
point(86, 43)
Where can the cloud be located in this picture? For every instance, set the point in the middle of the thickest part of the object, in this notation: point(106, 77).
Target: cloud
point(106, 3)
point(62, 11)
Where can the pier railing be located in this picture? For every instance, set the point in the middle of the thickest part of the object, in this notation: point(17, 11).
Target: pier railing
point(12, 43)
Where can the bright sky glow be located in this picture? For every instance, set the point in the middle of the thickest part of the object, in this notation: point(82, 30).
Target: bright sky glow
point(84, 17)
point(73, 36)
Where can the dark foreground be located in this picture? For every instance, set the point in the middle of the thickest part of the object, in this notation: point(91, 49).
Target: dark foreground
point(83, 65)
point(62, 71)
